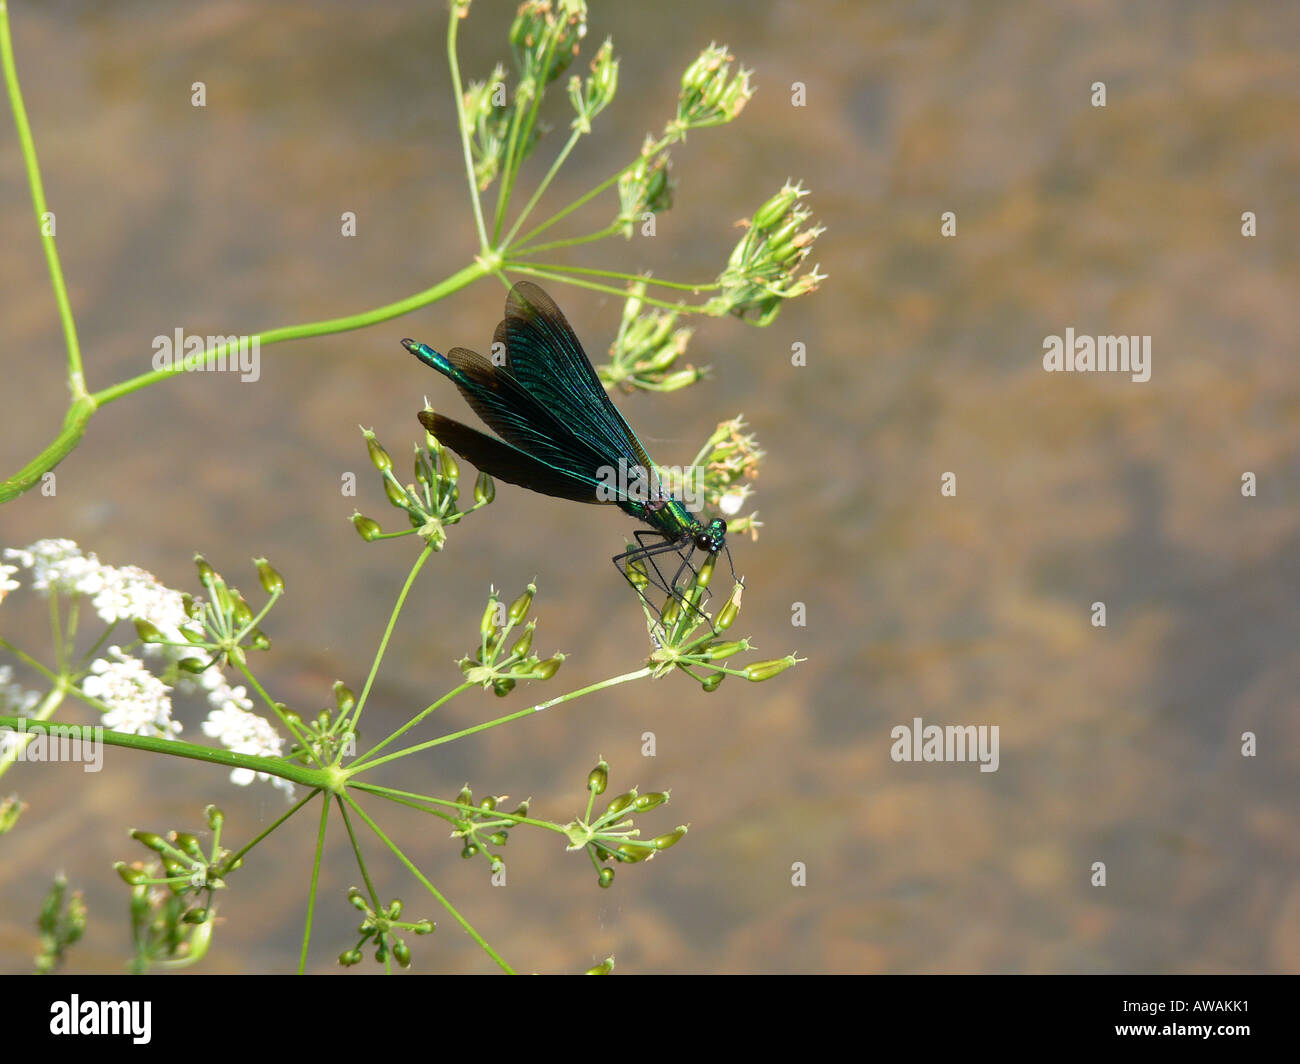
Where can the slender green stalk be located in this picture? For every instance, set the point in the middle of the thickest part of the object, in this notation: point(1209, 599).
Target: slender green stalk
point(560, 267)
point(547, 275)
point(274, 766)
point(453, 736)
point(356, 852)
point(238, 855)
point(458, 91)
point(79, 414)
point(76, 377)
point(388, 633)
point(413, 801)
point(444, 288)
point(412, 722)
point(541, 188)
point(591, 194)
point(613, 229)
point(469, 929)
point(43, 712)
point(515, 149)
point(315, 885)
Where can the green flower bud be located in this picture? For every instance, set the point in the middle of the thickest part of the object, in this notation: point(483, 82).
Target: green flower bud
point(448, 465)
point(727, 614)
point(147, 631)
point(519, 608)
point(378, 456)
point(672, 609)
point(620, 803)
point(765, 670)
point(498, 838)
point(488, 804)
point(367, 528)
point(484, 489)
point(349, 957)
point(635, 851)
point(466, 796)
point(423, 927)
point(272, 581)
point(524, 643)
point(194, 665)
point(396, 494)
point(683, 378)
point(215, 817)
point(259, 639)
point(241, 612)
point(196, 916)
point(548, 668)
point(598, 778)
point(344, 697)
point(207, 576)
point(132, 876)
point(503, 686)
point(651, 800)
point(469, 851)
point(636, 573)
point(189, 844)
point(487, 626)
point(705, 574)
point(774, 209)
point(725, 650)
point(154, 841)
point(402, 953)
point(662, 842)
point(713, 681)
point(604, 878)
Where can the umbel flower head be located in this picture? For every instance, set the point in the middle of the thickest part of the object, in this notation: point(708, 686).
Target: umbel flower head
point(763, 270)
point(432, 502)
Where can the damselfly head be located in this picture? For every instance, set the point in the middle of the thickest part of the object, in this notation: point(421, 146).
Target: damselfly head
point(713, 536)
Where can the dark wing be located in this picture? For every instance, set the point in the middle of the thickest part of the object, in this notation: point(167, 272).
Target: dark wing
point(508, 463)
point(525, 423)
point(543, 354)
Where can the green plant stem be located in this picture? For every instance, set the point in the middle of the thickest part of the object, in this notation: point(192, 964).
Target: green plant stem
point(588, 196)
point(274, 766)
point(613, 229)
point(315, 885)
point(458, 91)
point(356, 852)
point(413, 801)
point(76, 377)
point(559, 267)
point(541, 188)
point(454, 283)
point(238, 855)
point(548, 275)
point(451, 737)
point(74, 426)
point(423, 557)
point(364, 758)
point(469, 929)
point(44, 711)
point(516, 145)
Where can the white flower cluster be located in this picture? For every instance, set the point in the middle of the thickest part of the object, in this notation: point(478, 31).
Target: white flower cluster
point(7, 583)
point(237, 728)
point(14, 702)
point(138, 702)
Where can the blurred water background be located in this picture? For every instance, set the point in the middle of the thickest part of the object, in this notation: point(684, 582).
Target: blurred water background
point(1119, 745)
